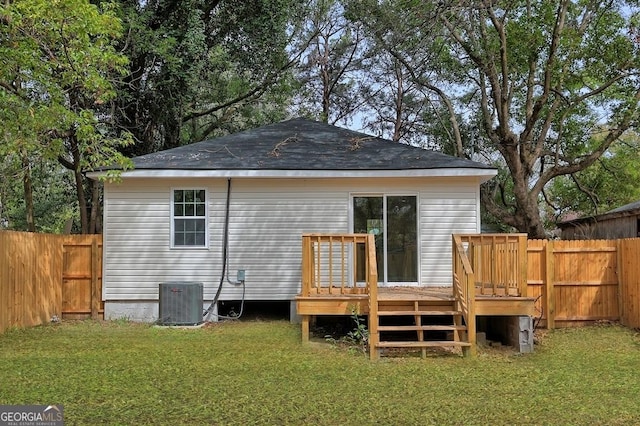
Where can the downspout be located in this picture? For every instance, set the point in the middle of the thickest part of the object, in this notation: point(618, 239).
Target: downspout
point(225, 248)
point(225, 260)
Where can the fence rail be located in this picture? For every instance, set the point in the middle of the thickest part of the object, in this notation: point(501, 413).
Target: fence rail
point(42, 275)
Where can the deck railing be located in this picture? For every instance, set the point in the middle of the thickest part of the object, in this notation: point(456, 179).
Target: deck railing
point(338, 264)
point(499, 263)
point(464, 284)
point(342, 264)
point(487, 264)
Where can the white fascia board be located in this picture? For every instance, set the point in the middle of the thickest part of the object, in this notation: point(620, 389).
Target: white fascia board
point(482, 174)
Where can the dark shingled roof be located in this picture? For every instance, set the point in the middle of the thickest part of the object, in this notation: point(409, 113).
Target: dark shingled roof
point(299, 144)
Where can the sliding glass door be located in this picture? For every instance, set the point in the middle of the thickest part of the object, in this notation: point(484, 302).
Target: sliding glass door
point(393, 221)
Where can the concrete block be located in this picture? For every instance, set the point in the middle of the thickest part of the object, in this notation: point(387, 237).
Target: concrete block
point(481, 338)
point(520, 333)
point(294, 318)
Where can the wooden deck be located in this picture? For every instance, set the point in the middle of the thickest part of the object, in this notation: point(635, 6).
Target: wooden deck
point(348, 304)
point(421, 316)
point(340, 277)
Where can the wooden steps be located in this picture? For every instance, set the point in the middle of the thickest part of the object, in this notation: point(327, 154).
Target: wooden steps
point(425, 344)
point(418, 323)
point(417, 312)
point(421, 327)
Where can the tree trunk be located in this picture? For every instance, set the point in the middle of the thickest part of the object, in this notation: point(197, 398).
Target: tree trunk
point(79, 181)
point(82, 200)
point(531, 223)
point(28, 193)
point(95, 204)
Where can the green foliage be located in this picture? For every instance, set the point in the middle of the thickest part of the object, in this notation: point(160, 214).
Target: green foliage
point(258, 373)
point(59, 61)
point(409, 74)
point(54, 203)
point(360, 333)
point(201, 69)
point(609, 183)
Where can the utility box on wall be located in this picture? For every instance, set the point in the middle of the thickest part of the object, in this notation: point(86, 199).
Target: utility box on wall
point(180, 303)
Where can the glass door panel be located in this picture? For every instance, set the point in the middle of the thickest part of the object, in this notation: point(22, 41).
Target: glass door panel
point(368, 219)
point(402, 233)
point(393, 221)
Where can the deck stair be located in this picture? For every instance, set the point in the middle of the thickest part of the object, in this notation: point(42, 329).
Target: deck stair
point(419, 323)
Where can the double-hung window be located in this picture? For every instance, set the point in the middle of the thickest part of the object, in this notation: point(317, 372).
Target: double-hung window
point(189, 218)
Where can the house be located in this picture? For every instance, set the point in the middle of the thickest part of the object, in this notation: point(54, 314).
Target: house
point(238, 205)
point(622, 222)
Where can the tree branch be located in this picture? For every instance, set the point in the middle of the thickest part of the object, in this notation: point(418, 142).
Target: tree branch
point(558, 27)
point(592, 197)
point(625, 122)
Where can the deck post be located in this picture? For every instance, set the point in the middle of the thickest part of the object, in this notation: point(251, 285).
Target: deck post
point(372, 281)
point(306, 265)
point(471, 318)
point(305, 328)
point(523, 265)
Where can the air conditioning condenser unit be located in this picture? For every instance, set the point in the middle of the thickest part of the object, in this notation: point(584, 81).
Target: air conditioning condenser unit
point(180, 303)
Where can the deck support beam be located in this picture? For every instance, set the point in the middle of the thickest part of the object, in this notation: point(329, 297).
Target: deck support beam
point(305, 328)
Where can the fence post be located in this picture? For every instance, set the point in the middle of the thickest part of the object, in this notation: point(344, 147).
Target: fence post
point(622, 312)
point(95, 293)
point(549, 302)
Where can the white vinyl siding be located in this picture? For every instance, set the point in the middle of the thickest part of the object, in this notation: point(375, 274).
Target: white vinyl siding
point(449, 208)
point(267, 220)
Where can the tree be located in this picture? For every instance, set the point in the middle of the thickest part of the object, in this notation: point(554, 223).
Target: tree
point(557, 87)
point(58, 63)
point(554, 84)
point(200, 68)
point(333, 63)
point(52, 197)
point(412, 100)
point(610, 182)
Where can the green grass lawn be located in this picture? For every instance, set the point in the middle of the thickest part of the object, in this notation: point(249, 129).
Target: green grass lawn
point(258, 373)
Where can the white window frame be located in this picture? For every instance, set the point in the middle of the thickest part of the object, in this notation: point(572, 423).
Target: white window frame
point(174, 217)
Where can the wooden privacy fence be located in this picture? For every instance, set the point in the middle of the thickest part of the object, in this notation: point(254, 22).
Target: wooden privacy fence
point(576, 282)
point(579, 282)
point(43, 275)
